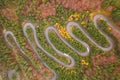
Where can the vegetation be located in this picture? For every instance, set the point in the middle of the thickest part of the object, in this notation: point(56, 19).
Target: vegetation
point(83, 69)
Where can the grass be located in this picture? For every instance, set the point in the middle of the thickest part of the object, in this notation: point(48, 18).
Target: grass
point(75, 73)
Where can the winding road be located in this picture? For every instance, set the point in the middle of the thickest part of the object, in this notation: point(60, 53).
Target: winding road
point(68, 27)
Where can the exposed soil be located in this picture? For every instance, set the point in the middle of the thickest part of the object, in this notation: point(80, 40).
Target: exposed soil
point(47, 10)
point(3, 71)
point(117, 69)
point(44, 10)
point(39, 9)
point(9, 13)
point(99, 60)
point(109, 8)
point(81, 5)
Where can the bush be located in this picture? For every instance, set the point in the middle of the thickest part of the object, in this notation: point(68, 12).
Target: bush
point(116, 14)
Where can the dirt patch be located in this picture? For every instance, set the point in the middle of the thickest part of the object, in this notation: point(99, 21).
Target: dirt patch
point(3, 71)
point(47, 10)
point(9, 13)
point(117, 69)
point(89, 72)
point(42, 10)
point(81, 5)
point(109, 8)
point(99, 60)
point(39, 9)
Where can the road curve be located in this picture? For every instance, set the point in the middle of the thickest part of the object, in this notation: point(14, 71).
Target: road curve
point(68, 26)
